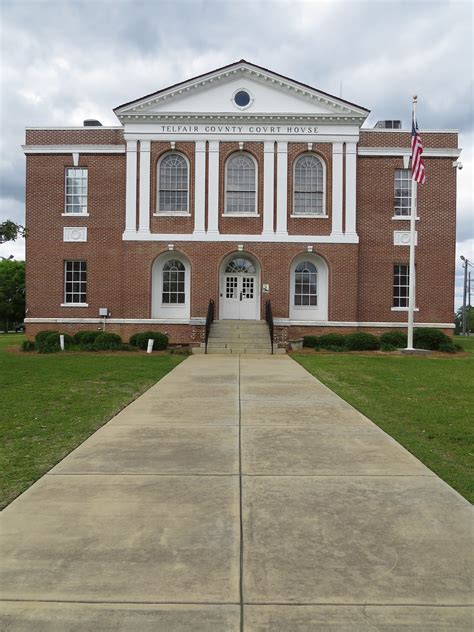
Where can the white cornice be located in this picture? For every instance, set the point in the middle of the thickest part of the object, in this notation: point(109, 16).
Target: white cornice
point(91, 128)
point(435, 152)
point(340, 323)
point(222, 237)
point(407, 131)
point(68, 149)
point(241, 69)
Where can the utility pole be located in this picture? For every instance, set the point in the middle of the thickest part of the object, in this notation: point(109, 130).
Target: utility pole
point(469, 305)
point(465, 330)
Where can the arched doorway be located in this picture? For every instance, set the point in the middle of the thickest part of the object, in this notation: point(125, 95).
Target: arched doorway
point(171, 286)
point(309, 288)
point(240, 288)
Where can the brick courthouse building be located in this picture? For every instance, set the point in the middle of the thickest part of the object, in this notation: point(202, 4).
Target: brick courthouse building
point(239, 185)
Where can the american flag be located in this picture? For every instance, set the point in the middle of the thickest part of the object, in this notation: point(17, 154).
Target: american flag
point(417, 164)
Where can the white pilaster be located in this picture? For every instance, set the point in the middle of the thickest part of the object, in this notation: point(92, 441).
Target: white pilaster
point(131, 187)
point(199, 186)
point(213, 188)
point(282, 187)
point(351, 188)
point(336, 189)
point(268, 185)
point(144, 202)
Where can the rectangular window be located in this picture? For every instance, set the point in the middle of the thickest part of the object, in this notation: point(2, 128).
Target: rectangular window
point(76, 191)
point(402, 200)
point(401, 281)
point(75, 282)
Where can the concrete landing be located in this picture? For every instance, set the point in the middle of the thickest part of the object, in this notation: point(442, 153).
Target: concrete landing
point(238, 493)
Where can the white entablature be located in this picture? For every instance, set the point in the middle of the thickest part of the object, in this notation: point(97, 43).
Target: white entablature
point(271, 97)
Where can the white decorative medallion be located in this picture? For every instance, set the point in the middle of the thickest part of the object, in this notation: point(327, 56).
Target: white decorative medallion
point(74, 233)
point(402, 238)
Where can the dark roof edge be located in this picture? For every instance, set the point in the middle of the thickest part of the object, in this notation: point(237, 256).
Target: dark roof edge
point(235, 63)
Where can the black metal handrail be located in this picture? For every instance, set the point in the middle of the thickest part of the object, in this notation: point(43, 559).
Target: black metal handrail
point(209, 320)
point(269, 319)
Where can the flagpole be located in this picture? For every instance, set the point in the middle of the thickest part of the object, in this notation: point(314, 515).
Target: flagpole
point(411, 287)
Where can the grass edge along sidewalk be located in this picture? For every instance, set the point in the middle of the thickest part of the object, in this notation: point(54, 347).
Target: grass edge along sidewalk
point(425, 403)
point(50, 404)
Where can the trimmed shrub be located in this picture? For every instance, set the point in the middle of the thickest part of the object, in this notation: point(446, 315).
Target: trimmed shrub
point(448, 347)
point(331, 340)
point(334, 348)
point(28, 345)
point(42, 335)
point(107, 341)
point(50, 343)
point(362, 341)
point(385, 346)
point(431, 339)
point(310, 341)
point(141, 340)
point(397, 339)
point(86, 337)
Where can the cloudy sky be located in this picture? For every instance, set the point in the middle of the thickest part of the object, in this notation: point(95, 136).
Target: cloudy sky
point(63, 61)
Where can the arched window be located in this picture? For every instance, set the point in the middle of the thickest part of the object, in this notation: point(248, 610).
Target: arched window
point(173, 185)
point(241, 185)
point(240, 265)
point(174, 286)
point(306, 285)
point(308, 197)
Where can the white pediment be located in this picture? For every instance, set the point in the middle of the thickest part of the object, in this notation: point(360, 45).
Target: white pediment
point(213, 94)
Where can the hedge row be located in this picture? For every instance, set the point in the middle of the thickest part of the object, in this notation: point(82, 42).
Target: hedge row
point(423, 338)
point(48, 341)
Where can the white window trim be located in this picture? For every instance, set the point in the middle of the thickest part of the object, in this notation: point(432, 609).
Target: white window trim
point(66, 214)
point(315, 313)
point(74, 304)
point(224, 212)
point(242, 107)
point(323, 163)
point(172, 214)
point(158, 165)
point(404, 218)
point(403, 309)
point(308, 216)
point(176, 311)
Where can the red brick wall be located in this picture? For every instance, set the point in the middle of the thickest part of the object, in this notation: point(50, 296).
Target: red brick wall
point(403, 139)
point(82, 136)
point(435, 253)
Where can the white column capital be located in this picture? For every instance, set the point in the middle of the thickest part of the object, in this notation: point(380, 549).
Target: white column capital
point(351, 148)
point(145, 145)
point(132, 145)
point(337, 148)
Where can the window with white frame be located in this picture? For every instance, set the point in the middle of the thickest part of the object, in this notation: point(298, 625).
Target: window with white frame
point(76, 191)
point(402, 199)
point(401, 282)
point(174, 283)
point(173, 184)
point(308, 195)
point(75, 282)
point(241, 185)
point(306, 285)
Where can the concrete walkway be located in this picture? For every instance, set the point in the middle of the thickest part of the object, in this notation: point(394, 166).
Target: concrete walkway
point(238, 493)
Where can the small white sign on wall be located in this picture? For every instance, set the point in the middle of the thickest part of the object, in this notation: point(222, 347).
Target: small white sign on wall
point(74, 233)
point(402, 238)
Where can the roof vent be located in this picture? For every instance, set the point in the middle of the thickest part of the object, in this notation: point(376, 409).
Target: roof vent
point(389, 125)
point(92, 123)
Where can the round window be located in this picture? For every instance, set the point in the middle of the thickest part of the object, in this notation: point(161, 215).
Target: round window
point(242, 98)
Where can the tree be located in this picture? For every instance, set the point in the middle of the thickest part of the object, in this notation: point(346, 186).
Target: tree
point(9, 231)
point(12, 292)
point(469, 320)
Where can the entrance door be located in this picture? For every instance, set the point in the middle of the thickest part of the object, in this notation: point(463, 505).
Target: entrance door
point(239, 291)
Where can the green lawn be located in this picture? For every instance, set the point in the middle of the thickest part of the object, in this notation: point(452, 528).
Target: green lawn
point(50, 403)
point(425, 403)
